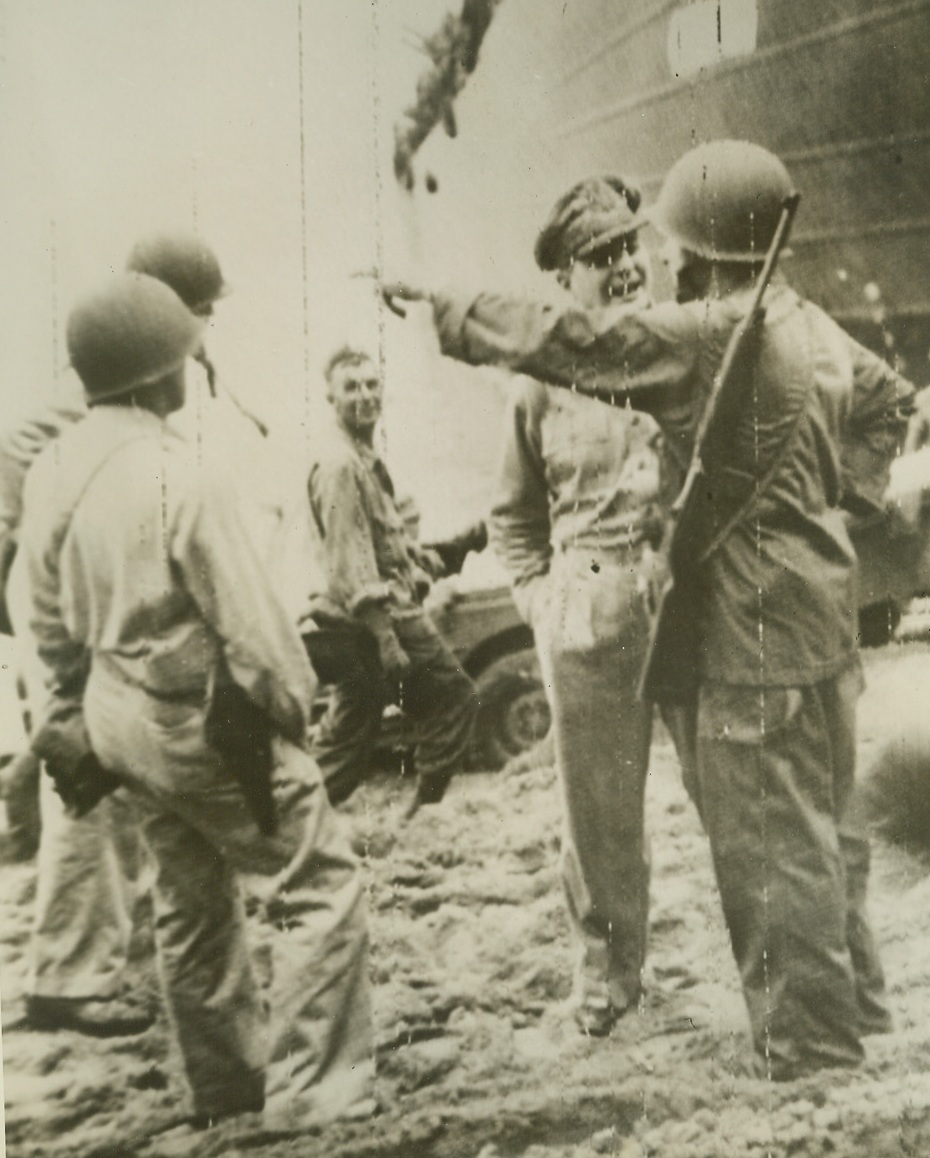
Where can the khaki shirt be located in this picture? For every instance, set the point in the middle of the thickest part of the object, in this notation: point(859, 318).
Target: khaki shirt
point(20, 445)
point(575, 475)
point(780, 595)
point(369, 554)
point(138, 556)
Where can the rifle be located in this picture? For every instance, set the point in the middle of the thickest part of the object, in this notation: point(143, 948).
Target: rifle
point(670, 670)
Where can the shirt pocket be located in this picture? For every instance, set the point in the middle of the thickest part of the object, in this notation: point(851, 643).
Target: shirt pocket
point(746, 715)
point(577, 437)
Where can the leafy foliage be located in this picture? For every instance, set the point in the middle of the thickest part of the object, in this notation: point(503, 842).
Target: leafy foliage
point(453, 52)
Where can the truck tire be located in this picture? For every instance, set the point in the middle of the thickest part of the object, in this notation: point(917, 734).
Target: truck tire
point(878, 623)
point(894, 786)
point(513, 713)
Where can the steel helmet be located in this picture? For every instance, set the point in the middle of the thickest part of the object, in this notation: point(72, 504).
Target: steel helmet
point(722, 200)
point(134, 331)
point(184, 262)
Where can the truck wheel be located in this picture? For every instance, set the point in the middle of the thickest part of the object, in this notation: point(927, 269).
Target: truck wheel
point(878, 622)
point(513, 713)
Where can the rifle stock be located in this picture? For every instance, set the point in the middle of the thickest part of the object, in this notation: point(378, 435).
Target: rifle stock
point(671, 670)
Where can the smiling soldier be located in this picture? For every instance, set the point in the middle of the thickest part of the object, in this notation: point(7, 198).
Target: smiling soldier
point(372, 637)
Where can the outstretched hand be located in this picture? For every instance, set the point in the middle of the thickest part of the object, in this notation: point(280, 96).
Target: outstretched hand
point(394, 292)
point(405, 291)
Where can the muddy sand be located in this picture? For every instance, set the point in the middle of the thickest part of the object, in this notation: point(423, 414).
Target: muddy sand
point(478, 1056)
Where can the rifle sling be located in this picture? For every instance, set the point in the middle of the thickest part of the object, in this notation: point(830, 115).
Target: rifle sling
point(758, 491)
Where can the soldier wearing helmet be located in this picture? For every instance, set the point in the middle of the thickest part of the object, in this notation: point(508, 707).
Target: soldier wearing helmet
point(190, 267)
point(147, 599)
point(186, 263)
point(778, 668)
point(578, 509)
point(86, 868)
point(78, 969)
point(229, 435)
point(725, 214)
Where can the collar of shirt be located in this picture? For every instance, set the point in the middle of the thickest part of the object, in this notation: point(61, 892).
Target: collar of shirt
point(370, 457)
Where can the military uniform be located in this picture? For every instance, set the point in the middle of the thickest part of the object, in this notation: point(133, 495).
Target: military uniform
point(143, 583)
point(576, 513)
point(375, 578)
point(778, 662)
point(86, 868)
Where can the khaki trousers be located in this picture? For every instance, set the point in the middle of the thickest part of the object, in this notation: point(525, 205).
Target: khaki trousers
point(591, 634)
point(436, 695)
point(87, 874)
point(87, 871)
point(775, 770)
point(311, 1058)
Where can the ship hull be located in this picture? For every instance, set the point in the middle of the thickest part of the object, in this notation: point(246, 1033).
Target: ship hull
point(839, 90)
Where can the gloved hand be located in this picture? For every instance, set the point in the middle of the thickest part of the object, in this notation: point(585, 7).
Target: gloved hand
point(82, 785)
point(421, 583)
point(453, 552)
point(429, 560)
point(62, 743)
point(395, 663)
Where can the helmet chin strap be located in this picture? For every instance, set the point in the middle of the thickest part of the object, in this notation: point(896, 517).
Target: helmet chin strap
point(213, 385)
point(209, 369)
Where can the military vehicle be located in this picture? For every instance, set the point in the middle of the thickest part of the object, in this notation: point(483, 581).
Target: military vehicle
point(495, 647)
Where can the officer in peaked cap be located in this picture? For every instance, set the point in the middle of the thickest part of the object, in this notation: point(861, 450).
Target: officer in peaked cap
point(777, 667)
point(578, 508)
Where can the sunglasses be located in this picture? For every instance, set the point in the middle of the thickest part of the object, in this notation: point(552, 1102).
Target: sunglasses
point(607, 255)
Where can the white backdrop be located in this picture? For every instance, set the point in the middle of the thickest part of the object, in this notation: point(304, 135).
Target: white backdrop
point(268, 126)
